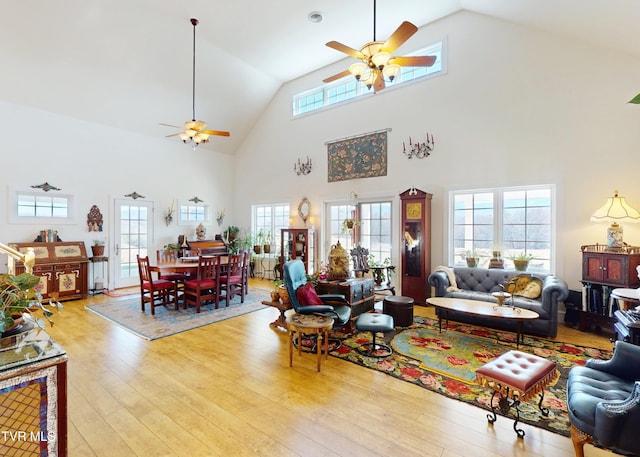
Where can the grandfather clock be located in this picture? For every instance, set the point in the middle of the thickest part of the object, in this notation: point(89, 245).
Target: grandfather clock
point(416, 244)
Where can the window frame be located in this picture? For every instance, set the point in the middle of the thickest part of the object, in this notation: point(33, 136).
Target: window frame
point(498, 222)
point(15, 218)
point(277, 222)
point(206, 209)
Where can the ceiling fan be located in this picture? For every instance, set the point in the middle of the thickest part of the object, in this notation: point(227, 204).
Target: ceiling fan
point(377, 65)
point(195, 131)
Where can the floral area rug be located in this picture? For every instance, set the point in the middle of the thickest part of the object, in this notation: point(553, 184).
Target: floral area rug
point(445, 362)
point(127, 314)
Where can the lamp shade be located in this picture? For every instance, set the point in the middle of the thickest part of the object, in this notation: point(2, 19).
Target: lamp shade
point(615, 210)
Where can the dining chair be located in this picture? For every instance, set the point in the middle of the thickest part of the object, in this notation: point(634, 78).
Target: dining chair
point(171, 257)
point(156, 292)
point(205, 287)
point(232, 280)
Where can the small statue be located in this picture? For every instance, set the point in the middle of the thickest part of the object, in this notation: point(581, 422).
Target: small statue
point(201, 232)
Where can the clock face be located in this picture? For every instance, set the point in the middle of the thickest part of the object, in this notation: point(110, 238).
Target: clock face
point(414, 210)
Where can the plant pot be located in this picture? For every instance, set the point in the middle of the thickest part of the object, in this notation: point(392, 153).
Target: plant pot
point(275, 295)
point(521, 265)
point(97, 251)
point(472, 262)
point(284, 294)
point(256, 249)
point(266, 248)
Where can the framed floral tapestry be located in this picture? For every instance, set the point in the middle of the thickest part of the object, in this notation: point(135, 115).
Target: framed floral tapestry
point(364, 156)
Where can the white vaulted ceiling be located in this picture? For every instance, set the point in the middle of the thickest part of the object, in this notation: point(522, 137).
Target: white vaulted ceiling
point(127, 63)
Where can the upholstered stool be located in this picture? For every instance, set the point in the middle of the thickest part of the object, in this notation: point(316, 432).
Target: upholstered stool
point(516, 377)
point(373, 322)
point(400, 308)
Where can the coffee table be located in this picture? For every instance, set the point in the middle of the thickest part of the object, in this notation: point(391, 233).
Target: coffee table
point(482, 308)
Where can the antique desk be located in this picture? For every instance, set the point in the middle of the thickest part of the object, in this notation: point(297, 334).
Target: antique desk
point(33, 396)
point(359, 292)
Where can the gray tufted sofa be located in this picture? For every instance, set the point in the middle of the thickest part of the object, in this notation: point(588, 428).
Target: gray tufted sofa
point(479, 283)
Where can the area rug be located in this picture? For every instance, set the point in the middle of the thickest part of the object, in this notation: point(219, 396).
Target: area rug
point(122, 292)
point(445, 362)
point(127, 314)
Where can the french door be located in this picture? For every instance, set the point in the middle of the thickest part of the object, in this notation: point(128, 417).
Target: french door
point(133, 235)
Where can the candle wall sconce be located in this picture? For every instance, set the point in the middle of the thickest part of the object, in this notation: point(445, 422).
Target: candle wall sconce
point(419, 149)
point(220, 217)
point(302, 168)
point(168, 216)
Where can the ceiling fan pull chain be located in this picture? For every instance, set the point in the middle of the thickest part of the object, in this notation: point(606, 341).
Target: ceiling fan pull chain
point(374, 20)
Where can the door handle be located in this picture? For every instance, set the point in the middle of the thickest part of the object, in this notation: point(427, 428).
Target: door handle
point(117, 249)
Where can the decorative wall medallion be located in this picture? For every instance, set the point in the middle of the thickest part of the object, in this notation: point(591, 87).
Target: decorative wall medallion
point(45, 186)
point(135, 195)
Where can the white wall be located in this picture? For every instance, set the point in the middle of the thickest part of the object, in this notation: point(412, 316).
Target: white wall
point(97, 164)
point(516, 107)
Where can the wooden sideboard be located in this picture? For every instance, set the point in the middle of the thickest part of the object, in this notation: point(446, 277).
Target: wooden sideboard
point(359, 292)
point(62, 267)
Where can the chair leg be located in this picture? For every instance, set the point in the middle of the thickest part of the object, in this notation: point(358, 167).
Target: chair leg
point(579, 439)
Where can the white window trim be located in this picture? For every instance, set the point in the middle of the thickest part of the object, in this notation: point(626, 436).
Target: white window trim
point(72, 216)
point(449, 220)
point(184, 222)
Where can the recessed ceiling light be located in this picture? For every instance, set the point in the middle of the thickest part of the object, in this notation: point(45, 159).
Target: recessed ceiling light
point(315, 17)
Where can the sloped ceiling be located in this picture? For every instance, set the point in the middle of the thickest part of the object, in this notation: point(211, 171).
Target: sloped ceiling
point(127, 63)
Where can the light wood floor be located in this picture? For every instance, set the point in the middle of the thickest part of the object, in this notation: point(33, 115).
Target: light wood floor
point(227, 390)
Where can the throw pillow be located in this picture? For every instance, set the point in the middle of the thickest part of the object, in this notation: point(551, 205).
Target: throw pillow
point(525, 285)
point(307, 295)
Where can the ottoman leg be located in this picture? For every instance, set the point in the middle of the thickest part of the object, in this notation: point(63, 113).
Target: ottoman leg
point(505, 405)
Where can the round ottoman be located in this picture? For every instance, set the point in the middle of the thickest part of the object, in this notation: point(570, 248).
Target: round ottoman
point(400, 308)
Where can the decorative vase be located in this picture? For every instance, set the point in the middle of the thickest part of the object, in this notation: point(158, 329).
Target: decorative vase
point(284, 294)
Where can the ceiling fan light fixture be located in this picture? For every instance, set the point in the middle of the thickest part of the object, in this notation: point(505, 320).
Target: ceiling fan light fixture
point(380, 59)
point(370, 79)
point(390, 71)
point(357, 69)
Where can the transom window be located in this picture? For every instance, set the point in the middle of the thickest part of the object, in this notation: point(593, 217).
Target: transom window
point(189, 212)
point(511, 221)
point(45, 206)
point(348, 88)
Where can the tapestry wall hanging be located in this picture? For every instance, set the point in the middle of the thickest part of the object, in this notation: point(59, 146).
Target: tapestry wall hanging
point(363, 156)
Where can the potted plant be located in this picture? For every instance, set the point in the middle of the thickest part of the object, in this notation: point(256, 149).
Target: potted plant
point(268, 239)
point(98, 248)
point(275, 293)
point(472, 259)
point(282, 290)
point(257, 246)
point(20, 300)
point(349, 224)
point(521, 261)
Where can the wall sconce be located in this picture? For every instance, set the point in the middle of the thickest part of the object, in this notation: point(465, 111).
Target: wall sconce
point(418, 149)
point(615, 210)
point(302, 168)
point(220, 217)
point(168, 216)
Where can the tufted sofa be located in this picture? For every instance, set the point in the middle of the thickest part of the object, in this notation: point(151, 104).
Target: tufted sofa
point(479, 283)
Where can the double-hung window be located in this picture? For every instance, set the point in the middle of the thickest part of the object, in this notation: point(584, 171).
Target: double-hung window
point(510, 221)
point(268, 220)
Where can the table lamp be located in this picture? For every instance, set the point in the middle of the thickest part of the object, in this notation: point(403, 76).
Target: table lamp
point(615, 210)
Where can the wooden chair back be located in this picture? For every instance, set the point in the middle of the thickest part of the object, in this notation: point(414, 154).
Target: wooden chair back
point(167, 256)
point(208, 267)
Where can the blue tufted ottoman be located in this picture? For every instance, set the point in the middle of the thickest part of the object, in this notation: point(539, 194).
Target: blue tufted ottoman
point(374, 323)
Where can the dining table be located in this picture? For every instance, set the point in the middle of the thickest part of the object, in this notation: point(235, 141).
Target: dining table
point(187, 265)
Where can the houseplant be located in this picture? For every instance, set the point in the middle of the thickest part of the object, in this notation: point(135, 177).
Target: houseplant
point(521, 261)
point(98, 248)
point(349, 224)
point(268, 239)
point(21, 301)
point(472, 259)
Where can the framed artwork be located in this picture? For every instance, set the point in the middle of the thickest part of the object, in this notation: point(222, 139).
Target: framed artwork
point(364, 156)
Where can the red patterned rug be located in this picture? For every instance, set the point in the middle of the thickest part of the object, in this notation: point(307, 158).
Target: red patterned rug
point(445, 362)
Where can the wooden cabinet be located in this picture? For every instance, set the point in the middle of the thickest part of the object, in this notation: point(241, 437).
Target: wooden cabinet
point(62, 267)
point(298, 244)
point(359, 292)
point(416, 244)
point(602, 271)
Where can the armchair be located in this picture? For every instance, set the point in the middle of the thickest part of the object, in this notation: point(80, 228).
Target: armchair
point(334, 305)
point(603, 401)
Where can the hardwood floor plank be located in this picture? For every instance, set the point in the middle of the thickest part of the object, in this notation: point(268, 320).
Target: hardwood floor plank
point(227, 389)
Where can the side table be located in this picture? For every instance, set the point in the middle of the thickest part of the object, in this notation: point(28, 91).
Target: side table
point(281, 321)
point(309, 324)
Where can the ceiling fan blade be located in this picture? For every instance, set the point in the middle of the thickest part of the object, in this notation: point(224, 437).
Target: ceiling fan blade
point(417, 61)
point(402, 34)
point(215, 132)
point(173, 134)
point(378, 85)
point(338, 76)
point(169, 125)
point(346, 49)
